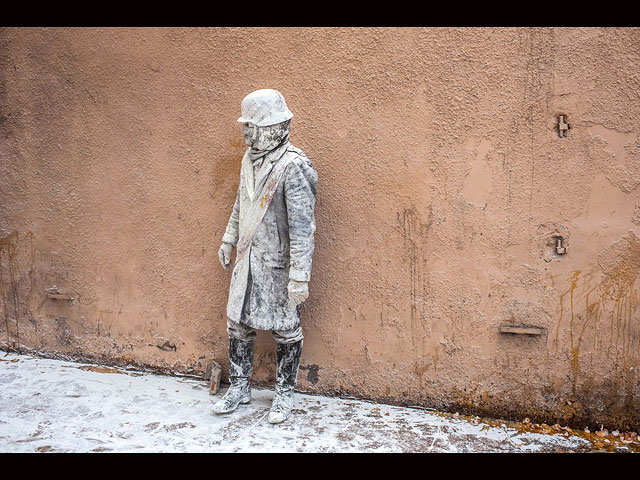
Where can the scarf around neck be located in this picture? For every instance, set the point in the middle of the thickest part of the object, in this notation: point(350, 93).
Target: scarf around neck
point(279, 135)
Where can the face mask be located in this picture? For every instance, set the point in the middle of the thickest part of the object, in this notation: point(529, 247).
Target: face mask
point(262, 140)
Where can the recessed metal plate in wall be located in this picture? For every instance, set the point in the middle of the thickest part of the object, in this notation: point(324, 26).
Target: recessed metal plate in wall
point(521, 330)
point(55, 294)
point(59, 296)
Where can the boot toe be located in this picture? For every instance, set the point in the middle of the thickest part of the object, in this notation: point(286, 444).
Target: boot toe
point(231, 400)
point(281, 407)
point(219, 409)
point(278, 416)
point(224, 407)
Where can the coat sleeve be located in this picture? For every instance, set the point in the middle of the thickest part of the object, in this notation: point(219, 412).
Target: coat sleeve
point(231, 234)
point(300, 196)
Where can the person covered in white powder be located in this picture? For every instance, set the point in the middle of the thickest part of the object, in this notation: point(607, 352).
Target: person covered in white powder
point(272, 228)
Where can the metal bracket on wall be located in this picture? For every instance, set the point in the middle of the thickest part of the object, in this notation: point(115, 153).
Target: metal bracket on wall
point(561, 246)
point(563, 126)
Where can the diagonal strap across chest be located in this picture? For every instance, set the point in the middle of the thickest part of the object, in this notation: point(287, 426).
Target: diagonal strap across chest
point(260, 205)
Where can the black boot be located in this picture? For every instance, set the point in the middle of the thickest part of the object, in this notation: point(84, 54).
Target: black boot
point(240, 369)
point(288, 358)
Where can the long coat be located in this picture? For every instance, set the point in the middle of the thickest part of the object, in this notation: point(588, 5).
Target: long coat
point(282, 246)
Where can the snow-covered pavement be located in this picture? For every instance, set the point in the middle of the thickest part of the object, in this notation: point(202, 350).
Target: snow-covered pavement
point(51, 405)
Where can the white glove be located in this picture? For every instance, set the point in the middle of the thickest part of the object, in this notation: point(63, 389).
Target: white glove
point(298, 291)
point(225, 255)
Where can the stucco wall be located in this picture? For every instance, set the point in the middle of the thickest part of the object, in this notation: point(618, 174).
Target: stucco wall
point(442, 181)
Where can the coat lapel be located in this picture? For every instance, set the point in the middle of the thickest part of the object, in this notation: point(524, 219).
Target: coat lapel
point(263, 173)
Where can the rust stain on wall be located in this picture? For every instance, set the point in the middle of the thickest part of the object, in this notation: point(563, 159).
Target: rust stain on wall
point(9, 287)
point(593, 298)
point(620, 264)
point(415, 232)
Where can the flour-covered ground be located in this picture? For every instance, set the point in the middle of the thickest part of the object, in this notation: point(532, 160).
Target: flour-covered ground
point(59, 406)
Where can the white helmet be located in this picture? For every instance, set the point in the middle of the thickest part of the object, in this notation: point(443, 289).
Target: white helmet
point(264, 107)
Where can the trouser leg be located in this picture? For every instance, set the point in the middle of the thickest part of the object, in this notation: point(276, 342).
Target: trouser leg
point(287, 336)
point(240, 331)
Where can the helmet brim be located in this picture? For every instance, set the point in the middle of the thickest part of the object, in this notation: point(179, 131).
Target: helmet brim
point(284, 118)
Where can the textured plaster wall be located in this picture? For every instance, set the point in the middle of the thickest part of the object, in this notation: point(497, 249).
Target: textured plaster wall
point(442, 182)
